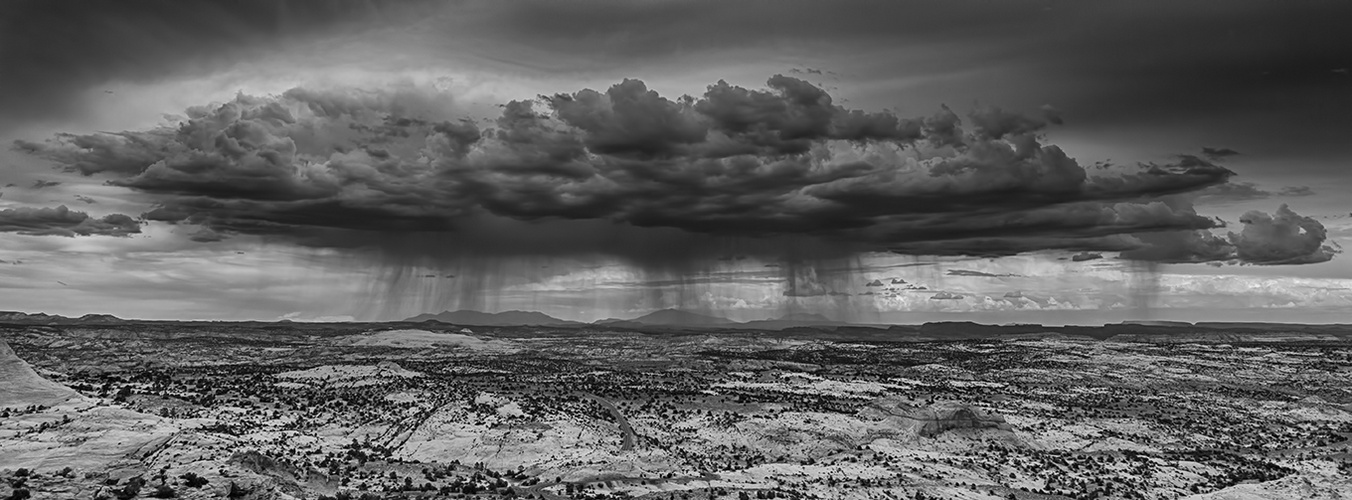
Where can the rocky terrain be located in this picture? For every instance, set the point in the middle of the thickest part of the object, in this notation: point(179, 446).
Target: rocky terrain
point(132, 410)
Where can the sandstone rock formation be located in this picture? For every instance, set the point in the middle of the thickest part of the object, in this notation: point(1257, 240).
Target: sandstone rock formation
point(23, 387)
point(941, 418)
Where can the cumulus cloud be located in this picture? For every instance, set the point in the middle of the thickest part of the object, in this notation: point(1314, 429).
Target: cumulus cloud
point(775, 164)
point(1284, 237)
point(62, 221)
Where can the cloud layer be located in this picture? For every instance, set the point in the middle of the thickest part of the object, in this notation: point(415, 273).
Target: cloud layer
point(1248, 191)
point(53, 50)
point(62, 221)
point(630, 172)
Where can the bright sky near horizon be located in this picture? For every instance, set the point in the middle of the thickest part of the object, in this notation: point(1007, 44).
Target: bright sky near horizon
point(891, 161)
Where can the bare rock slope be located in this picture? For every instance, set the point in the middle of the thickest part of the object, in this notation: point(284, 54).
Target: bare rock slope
point(23, 386)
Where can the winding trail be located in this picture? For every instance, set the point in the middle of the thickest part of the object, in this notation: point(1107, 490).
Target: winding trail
point(628, 430)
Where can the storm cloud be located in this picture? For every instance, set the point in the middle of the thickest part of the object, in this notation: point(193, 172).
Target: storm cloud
point(62, 221)
point(782, 170)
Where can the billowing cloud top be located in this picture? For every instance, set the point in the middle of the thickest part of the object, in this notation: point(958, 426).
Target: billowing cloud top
point(625, 170)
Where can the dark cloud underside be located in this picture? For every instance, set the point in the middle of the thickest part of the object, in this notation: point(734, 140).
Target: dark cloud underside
point(781, 169)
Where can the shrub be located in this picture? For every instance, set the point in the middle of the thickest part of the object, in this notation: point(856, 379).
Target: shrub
point(131, 489)
point(192, 480)
point(164, 491)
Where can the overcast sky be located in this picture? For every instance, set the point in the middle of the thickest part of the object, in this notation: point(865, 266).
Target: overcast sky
point(885, 161)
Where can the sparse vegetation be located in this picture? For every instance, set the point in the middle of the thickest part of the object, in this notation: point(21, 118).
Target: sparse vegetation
point(676, 417)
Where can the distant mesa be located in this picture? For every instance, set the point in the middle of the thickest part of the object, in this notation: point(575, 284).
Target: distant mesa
point(1083, 256)
point(1156, 323)
point(505, 318)
point(977, 274)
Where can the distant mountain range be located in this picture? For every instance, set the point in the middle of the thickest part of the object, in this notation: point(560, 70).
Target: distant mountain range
point(505, 318)
point(792, 320)
point(794, 324)
point(668, 317)
point(665, 318)
point(23, 318)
